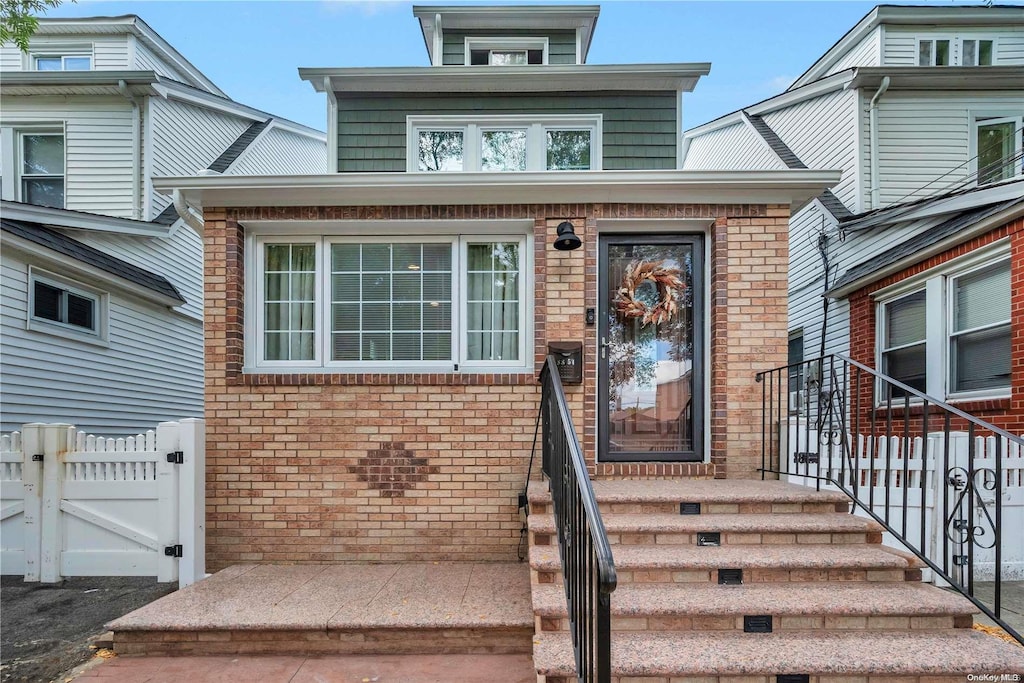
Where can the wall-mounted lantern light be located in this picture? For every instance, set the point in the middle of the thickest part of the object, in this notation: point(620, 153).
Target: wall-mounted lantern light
point(566, 239)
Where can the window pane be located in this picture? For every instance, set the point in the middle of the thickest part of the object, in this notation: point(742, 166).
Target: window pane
point(43, 192)
point(441, 150)
point(48, 64)
point(508, 57)
point(568, 150)
point(77, 63)
point(275, 346)
point(941, 53)
point(907, 365)
point(503, 150)
point(996, 147)
point(43, 154)
point(982, 298)
point(981, 360)
point(46, 301)
point(81, 311)
point(984, 53)
point(905, 320)
point(924, 57)
point(478, 57)
point(970, 53)
point(492, 308)
point(379, 312)
point(535, 56)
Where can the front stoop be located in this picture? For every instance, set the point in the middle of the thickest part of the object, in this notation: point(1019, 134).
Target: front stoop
point(430, 608)
point(842, 607)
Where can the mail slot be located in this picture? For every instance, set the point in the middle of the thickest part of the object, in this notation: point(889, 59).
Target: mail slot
point(569, 360)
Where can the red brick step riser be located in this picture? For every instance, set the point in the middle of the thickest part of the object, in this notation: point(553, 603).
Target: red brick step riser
point(635, 624)
point(669, 577)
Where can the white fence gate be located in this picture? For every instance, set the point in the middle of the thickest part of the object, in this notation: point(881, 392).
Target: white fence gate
point(916, 473)
point(73, 504)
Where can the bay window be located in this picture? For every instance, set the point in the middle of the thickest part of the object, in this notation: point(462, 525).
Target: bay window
point(387, 303)
point(947, 333)
point(504, 143)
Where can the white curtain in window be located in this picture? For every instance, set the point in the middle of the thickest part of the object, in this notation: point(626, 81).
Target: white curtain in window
point(492, 304)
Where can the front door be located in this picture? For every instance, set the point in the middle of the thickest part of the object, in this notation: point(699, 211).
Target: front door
point(650, 351)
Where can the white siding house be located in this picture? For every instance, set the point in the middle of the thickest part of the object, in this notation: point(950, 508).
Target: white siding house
point(885, 102)
point(88, 117)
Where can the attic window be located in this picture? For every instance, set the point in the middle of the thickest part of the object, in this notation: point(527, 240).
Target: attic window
point(63, 60)
point(506, 51)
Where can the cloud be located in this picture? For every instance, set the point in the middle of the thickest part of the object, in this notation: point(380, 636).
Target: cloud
point(779, 83)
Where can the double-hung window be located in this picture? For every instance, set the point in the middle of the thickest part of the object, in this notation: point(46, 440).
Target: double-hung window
point(504, 143)
point(998, 147)
point(949, 334)
point(380, 303)
point(41, 168)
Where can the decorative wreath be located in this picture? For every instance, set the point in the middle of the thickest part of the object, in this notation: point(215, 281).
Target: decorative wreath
point(665, 279)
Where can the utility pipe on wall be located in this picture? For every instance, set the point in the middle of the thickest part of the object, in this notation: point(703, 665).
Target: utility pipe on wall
point(873, 142)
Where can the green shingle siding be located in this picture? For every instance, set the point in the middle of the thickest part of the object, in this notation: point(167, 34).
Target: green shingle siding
point(639, 128)
point(561, 44)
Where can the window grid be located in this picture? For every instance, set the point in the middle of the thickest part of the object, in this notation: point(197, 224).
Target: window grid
point(289, 308)
point(493, 302)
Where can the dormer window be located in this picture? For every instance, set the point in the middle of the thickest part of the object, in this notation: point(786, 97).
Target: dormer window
point(955, 51)
point(506, 51)
point(62, 61)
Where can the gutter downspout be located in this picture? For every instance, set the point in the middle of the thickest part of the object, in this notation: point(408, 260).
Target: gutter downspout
point(191, 220)
point(873, 142)
point(122, 88)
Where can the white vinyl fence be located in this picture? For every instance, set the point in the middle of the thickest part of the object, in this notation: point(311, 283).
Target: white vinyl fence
point(74, 504)
point(917, 473)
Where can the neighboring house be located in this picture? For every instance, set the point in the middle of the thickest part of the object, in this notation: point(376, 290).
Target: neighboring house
point(102, 279)
point(383, 325)
point(922, 109)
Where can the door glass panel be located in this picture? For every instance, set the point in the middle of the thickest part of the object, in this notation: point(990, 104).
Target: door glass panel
point(650, 354)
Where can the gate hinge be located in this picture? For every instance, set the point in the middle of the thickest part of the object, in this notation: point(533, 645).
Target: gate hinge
point(176, 457)
point(173, 550)
point(38, 457)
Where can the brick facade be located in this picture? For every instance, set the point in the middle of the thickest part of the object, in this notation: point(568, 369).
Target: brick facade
point(1007, 413)
point(332, 467)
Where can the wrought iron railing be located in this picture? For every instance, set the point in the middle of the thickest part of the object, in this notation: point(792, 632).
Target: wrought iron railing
point(587, 568)
point(939, 480)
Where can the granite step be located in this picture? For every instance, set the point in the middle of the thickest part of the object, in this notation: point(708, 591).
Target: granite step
point(734, 529)
point(661, 657)
point(654, 496)
point(668, 564)
point(842, 606)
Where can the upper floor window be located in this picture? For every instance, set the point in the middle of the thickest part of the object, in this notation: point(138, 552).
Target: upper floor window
point(62, 61)
point(506, 51)
point(504, 143)
point(955, 51)
point(58, 305)
point(998, 147)
point(41, 168)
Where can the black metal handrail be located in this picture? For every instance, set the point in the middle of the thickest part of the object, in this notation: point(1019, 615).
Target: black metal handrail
point(588, 570)
point(931, 474)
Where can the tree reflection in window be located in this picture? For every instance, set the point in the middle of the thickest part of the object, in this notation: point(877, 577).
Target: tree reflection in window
point(441, 150)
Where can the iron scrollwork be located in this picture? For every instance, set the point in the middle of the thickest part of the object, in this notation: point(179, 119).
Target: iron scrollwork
point(961, 529)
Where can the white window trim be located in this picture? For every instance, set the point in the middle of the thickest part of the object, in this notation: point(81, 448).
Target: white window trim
point(938, 319)
point(504, 43)
point(101, 299)
point(979, 119)
point(13, 156)
point(473, 126)
point(254, 298)
point(260, 290)
point(60, 50)
point(956, 48)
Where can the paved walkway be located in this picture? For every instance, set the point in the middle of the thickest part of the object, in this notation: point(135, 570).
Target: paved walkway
point(334, 669)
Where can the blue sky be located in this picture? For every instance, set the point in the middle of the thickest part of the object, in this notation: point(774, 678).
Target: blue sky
point(252, 50)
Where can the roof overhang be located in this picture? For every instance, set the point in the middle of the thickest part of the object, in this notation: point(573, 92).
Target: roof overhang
point(909, 16)
point(130, 25)
point(80, 220)
point(434, 19)
point(941, 77)
point(937, 206)
point(790, 187)
point(517, 79)
point(138, 83)
point(979, 228)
